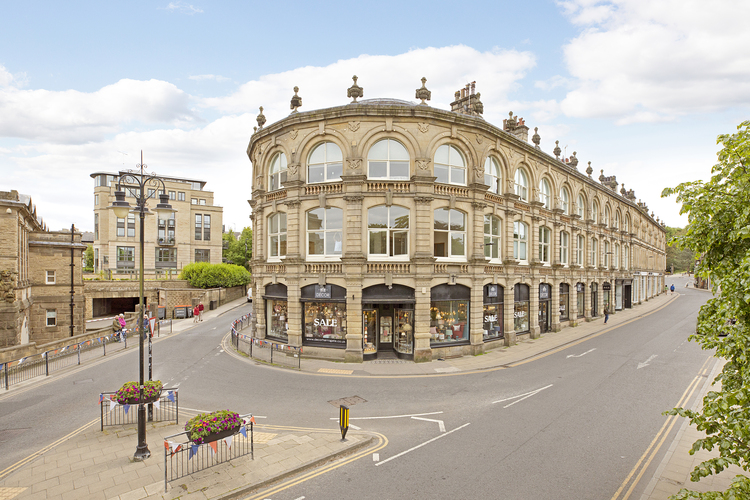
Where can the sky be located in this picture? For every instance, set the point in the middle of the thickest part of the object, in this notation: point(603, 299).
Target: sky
point(641, 89)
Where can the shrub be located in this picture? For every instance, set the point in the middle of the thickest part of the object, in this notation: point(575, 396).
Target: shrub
point(206, 424)
point(205, 275)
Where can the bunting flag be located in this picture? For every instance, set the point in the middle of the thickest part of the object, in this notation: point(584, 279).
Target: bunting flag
point(112, 405)
point(156, 404)
point(44, 354)
point(243, 431)
point(252, 419)
point(228, 441)
point(1, 366)
point(170, 395)
point(193, 450)
point(101, 398)
point(172, 447)
point(126, 408)
point(212, 444)
point(21, 360)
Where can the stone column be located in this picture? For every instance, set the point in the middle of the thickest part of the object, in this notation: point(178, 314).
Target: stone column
point(587, 300)
point(573, 302)
point(508, 319)
point(422, 350)
point(353, 352)
point(555, 305)
point(534, 330)
point(294, 312)
point(476, 313)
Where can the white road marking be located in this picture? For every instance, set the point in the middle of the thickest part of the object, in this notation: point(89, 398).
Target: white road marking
point(420, 445)
point(579, 355)
point(391, 416)
point(440, 422)
point(647, 362)
point(449, 369)
point(376, 457)
point(355, 427)
point(300, 498)
point(522, 396)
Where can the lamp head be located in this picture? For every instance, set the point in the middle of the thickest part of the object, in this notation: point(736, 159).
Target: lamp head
point(120, 207)
point(163, 209)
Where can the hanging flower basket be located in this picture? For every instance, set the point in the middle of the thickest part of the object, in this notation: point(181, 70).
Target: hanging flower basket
point(129, 393)
point(209, 427)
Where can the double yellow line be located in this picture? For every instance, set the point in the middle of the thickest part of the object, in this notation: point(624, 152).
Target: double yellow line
point(648, 456)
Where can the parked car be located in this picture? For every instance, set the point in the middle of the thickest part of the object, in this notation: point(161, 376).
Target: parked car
point(249, 294)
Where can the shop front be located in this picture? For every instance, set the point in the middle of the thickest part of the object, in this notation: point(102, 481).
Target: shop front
point(324, 316)
point(521, 308)
point(627, 294)
point(388, 321)
point(564, 302)
point(449, 315)
point(618, 295)
point(545, 306)
point(607, 290)
point(581, 299)
point(492, 313)
point(277, 317)
point(594, 297)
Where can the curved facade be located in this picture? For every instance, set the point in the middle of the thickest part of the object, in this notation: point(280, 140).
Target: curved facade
point(390, 228)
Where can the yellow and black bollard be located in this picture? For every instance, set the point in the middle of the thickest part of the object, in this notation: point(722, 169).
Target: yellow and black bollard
point(343, 420)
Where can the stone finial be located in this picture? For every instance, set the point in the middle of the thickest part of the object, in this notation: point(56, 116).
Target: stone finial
point(261, 119)
point(589, 170)
point(622, 190)
point(557, 150)
point(296, 100)
point(510, 123)
point(601, 176)
point(255, 129)
point(423, 93)
point(355, 91)
point(574, 161)
point(536, 139)
point(478, 106)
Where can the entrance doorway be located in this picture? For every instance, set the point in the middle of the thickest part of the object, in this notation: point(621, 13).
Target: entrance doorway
point(388, 321)
point(626, 295)
point(544, 307)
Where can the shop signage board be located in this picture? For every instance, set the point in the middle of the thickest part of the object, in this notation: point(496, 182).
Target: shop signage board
point(492, 291)
point(579, 287)
point(322, 291)
point(543, 292)
point(606, 286)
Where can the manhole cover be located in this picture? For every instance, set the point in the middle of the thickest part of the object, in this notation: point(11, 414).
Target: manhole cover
point(350, 401)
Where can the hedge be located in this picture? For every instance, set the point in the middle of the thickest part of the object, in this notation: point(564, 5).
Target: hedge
point(205, 275)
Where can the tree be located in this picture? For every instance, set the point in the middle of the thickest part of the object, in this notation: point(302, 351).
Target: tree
point(88, 256)
point(238, 251)
point(682, 260)
point(719, 231)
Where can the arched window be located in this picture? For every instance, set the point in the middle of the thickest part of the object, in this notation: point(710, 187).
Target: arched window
point(492, 241)
point(545, 194)
point(277, 172)
point(617, 256)
point(388, 159)
point(325, 163)
point(324, 232)
point(617, 220)
point(565, 201)
point(388, 231)
point(520, 240)
point(450, 167)
point(607, 253)
point(564, 246)
point(606, 216)
point(625, 260)
point(277, 235)
point(626, 227)
point(581, 242)
point(492, 175)
point(544, 238)
point(522, 185)
point(595, 212)
point(594, 250)
point(581, 206)
point(450, 233)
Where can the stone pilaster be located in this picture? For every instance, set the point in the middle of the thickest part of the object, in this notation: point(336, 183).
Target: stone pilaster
point(422, 350)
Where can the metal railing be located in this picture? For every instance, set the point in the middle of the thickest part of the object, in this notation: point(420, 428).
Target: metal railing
point(263, 350)
point(166, 408)
point(182, 457)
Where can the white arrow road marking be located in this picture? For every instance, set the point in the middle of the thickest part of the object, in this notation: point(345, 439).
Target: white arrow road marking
point(355, 427)
point(522, 396)
point(647, 362)
point(579, 355)
point(420, 445)
point(440, 422)
point(391, 416)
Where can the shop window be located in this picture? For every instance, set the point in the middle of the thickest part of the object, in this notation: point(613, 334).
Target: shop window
point(51, 315)
point(388, 231)
point(388, 159)
point(580, 299)
point(325, 163)
point(492, 240)
point(521, 308)
point(581, 206)
point(581, 242)
point(324, 232)
point(522, 185)
point(324, 315)
point(544, 237)
point(126, 257)
point(450, 167)
point(492, 313)
point(278, 319)
point(545, 194)
point(564, 301)
point(492, 175)
point(564, 245)
point(449, 314)
point(520, 240)
point(449, 233)
point(565, 201)
point(277, 235)
point(277, 172)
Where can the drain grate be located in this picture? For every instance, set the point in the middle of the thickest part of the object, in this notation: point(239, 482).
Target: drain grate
point(389, 361)
point(350, 401)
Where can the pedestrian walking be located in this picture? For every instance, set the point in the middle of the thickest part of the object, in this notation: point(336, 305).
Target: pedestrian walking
point(200, 310)
point(123, 324)
point(671, 289)
point(196, 314)
point(116, 328)
point(606, 314)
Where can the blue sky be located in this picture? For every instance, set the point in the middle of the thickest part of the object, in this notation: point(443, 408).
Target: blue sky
point(641, 89)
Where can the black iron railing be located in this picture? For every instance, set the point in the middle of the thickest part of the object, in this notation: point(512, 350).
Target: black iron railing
point(264, 350)
point(166, 408)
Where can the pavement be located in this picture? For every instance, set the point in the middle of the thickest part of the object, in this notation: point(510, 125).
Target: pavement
point(90, 463)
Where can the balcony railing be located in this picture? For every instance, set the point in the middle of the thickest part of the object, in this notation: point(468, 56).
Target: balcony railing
point(166, 241)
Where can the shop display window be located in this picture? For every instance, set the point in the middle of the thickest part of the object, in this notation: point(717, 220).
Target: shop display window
point(369, 326)
point(405, 331)
point(278, 319)
point(492, 323)
point(564, 302)
point(521, 308)
point(580, 298)
point(325, 322)
point(449, 321)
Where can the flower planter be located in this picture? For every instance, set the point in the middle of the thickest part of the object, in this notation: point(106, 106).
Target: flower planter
point(220, 435)
point(209, 427)
point(146, 400)
point(129, 393)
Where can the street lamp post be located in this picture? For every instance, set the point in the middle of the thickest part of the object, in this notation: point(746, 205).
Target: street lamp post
point(140, 178)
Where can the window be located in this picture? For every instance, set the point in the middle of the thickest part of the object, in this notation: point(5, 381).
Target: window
point(592, 257)
point(131, 225)
point(96, 200)
point(520, 239)
point(617, 255)
point(51, 317)
point(196, 186)
point(151, 193)
point(564, 244)
point(166, 258)
point(450, 167)
point(180, 196)
point(564, 301)
point(277, 235)
point(172, 195)
point(277, 172)
point(206, 227)
point(492, 241)
point(606, 216)
point(324, 232)
point(450, 233)
point(521, 308)
point(617, 220)
point(201, 202)
point(325, 163)
point(544, 238)
point(166, 228)
point(120, 227)
point(565, 201)
point(492, 175)
point(493, 314)
point(522, 185)
point(125, 257)
point(625, 257)
point(581, 206)
point(388, 231)
point(202, 255)
point(544, 194)
point(96, 226)
point(595, 212)
point(50, 277)
point(607, 253)
point(193, 201)
point(388, 159)
point(579, 250)
point(198, 226)
point(626, 228)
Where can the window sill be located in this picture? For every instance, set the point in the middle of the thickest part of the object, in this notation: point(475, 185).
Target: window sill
point(448, 260)
point(385, 258)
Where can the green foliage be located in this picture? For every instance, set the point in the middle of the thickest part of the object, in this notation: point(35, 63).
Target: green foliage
point(238, 251)
point(682, 259)
point(88, 256)
point(719, 232)
point(205, 275)
point(205, 424)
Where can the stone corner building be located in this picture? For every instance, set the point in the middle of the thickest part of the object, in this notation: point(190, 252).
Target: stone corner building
point(389, 228)
point(41, 282)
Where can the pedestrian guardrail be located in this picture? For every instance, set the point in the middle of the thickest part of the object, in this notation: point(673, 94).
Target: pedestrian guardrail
point(182, 457)
point(264, 350)
point(165, 409)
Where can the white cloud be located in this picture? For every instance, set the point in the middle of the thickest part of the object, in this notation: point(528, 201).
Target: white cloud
point(183, 8)
point(638, 60)
point(217, 78)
